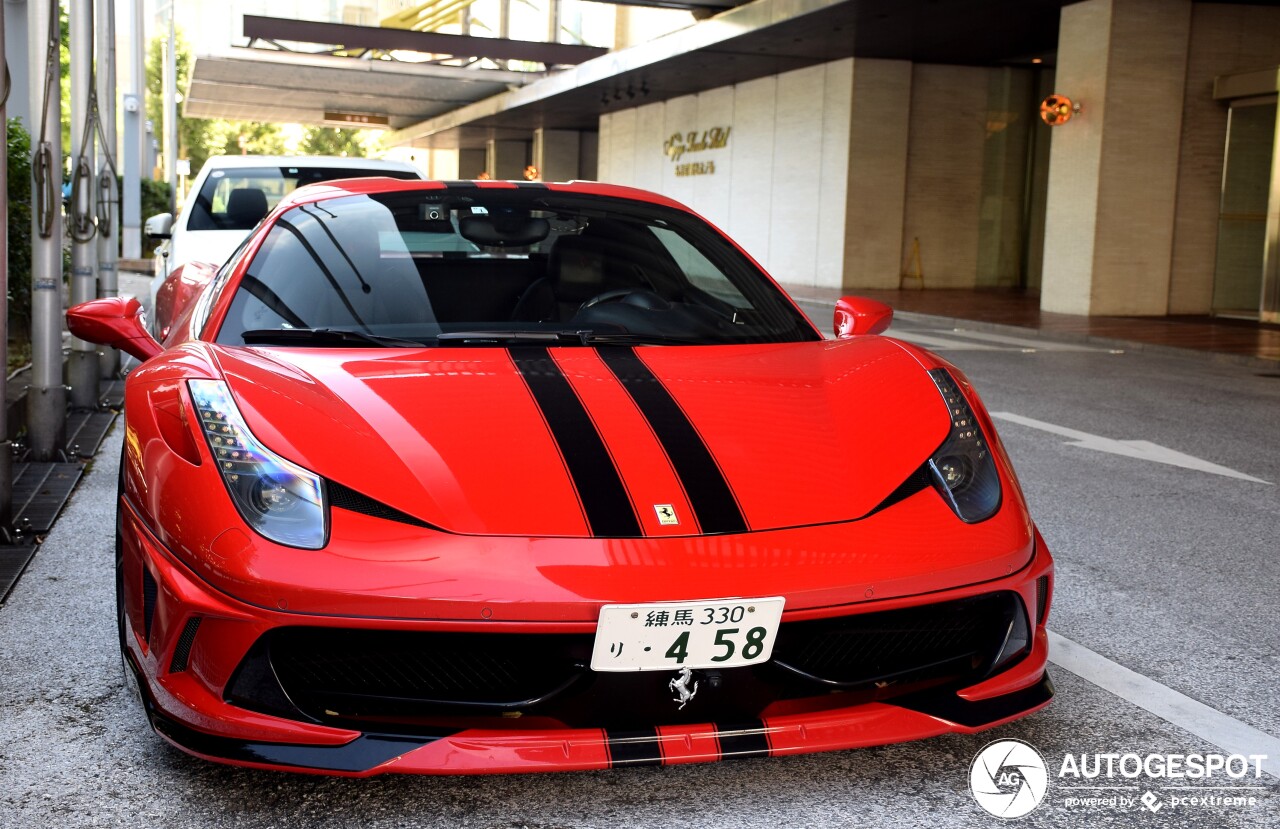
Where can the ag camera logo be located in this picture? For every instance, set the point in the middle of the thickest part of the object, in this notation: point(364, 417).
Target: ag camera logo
point(1008, 778)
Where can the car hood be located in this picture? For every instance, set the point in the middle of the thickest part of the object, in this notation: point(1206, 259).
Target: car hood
point(614, 441)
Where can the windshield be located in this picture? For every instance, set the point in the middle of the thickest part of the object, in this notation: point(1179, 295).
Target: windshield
point(485, 267)
point(237, 199)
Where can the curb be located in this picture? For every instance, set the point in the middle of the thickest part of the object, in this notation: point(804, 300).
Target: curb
point(1245, 360)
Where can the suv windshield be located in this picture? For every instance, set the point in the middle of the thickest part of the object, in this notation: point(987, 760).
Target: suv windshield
point(237, 199)
point(487, 267)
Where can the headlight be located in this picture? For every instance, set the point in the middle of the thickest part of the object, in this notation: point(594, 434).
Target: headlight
point(963, 471)
point(279, 499)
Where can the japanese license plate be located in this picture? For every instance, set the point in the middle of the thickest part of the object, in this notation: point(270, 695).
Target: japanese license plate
point(668, 636)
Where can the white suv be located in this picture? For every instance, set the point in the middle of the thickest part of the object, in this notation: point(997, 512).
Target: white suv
point(232, 193)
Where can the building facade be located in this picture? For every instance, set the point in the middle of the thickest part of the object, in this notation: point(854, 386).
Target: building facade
point(1158, 196)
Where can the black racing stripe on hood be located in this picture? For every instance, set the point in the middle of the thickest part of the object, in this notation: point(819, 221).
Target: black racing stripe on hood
point(704, 483)
point(594, 474)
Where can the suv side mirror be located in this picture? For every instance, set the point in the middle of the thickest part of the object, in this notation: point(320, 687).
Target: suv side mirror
point(857, 315)
point(159, 226)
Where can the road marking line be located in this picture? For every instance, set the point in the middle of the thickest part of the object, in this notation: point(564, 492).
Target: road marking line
point(1039, 345)
point(1210, 724)
point(930, 341)
point(1142, 450)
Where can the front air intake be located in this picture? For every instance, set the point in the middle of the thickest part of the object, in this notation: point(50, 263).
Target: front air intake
point(183, 651)
point(149, 591)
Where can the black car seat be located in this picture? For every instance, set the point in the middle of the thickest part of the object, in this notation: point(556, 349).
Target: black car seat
point(245, 208)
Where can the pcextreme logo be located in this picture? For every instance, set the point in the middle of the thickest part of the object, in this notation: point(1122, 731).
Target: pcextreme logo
point(1008, 778)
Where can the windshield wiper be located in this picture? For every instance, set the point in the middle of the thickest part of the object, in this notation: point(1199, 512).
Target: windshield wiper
point(482, 337)
point(322, 336)
point(633, 338)
point(579, 337)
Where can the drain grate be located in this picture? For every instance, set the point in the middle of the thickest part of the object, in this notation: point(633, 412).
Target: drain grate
point(39, 492)
point(112, 394)
point(13, 560)
point(86, 431)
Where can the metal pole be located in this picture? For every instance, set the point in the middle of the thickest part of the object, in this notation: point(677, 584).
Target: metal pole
point(47, 397)
point(18, 54)
point(131, 150)
point(149, 150)
point(108, 234)
point(171, 114)
point(553, 21)
point(6, 457)
point(82, 367)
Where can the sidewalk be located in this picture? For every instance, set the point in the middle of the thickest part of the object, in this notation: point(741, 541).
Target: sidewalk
point(1238, 341)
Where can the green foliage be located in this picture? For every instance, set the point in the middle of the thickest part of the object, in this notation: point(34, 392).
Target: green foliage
point(200, 138)
point(333, 141)
point(19, 231)
point(155, 199)
point(64, 61)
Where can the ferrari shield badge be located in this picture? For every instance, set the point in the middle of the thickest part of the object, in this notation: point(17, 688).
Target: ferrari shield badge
point(684, 692)
point(666, 514)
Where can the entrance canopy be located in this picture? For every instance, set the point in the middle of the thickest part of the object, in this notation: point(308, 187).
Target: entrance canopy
point(435, 105)
point(354, 80)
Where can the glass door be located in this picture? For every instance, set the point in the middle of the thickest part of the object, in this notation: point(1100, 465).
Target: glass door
point(1242, 260)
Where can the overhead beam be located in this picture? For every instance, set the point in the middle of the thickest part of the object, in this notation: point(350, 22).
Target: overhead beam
point(430, 43)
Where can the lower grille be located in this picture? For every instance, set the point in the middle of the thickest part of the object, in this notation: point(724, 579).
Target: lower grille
point(499, 670)
point(392, 678)
point(960, 637)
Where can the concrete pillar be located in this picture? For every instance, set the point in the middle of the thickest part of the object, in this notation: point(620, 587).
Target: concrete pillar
point(82, 366)
point(506, 160)
point(556, 154)
point(16, 52)
point(589, 156)
point(471, 163)
point(47, 396)
point(1114, 166)
point(132, 150)
point(880, 114)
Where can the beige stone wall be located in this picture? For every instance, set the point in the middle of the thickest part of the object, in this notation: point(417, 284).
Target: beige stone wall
point(1113, 176)
point(944, 172)
point(1224, 39)
point(779, 187)
point(880, 124)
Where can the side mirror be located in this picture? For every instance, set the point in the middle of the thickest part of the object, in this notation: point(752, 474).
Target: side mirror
point(116, 322)
point(857, 315)
point(159, 226)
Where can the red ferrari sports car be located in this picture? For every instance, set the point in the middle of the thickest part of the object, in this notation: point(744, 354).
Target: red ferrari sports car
point(489, 477)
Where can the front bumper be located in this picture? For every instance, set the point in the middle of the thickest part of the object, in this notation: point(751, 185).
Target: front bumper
point(185, 642)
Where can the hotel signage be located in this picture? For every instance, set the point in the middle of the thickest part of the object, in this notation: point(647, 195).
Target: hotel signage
point(675, 147)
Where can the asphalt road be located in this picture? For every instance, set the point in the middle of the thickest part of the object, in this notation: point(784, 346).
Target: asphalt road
point(1169, 571)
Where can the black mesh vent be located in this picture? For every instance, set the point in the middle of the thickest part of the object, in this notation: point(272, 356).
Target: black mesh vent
point(348, 499)
point(329, 668)
point(958, 638)
point(183, 651)
point(149, 590)
point(1042, 599)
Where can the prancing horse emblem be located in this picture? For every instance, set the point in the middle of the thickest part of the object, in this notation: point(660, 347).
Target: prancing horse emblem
point(681, 686)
